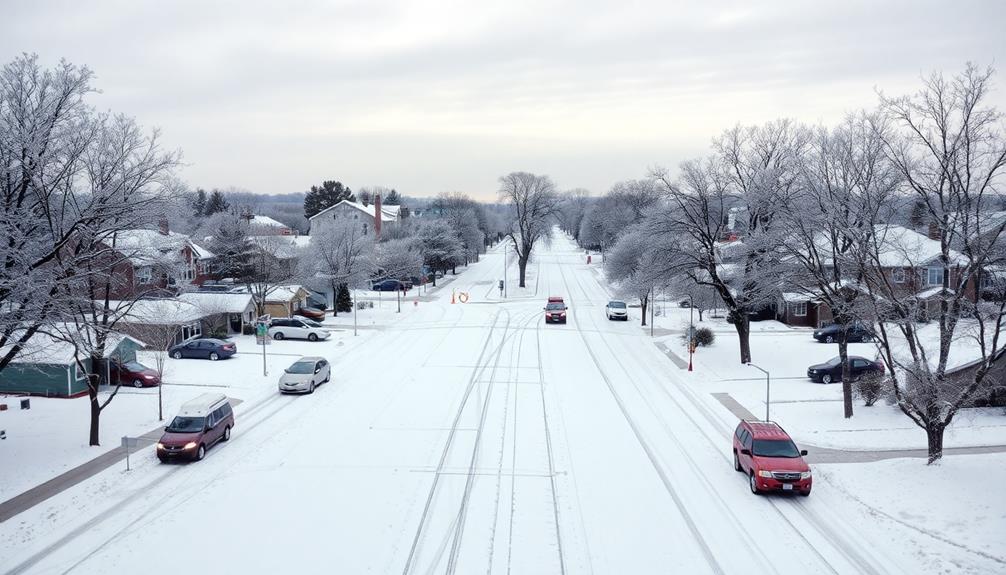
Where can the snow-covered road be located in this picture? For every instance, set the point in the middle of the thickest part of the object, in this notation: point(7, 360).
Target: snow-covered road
point(465, 438)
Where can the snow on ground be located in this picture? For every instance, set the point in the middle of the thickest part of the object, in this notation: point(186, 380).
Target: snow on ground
point(473, 438)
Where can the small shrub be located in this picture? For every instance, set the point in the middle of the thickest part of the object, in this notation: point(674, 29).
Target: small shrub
point(704, 337)
point(364, 305)
point(869, 388)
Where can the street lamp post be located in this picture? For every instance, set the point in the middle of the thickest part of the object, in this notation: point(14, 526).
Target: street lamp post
point(505, 247)
point(691, 330)
point(768, 387)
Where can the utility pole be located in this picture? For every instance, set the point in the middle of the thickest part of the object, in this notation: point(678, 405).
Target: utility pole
point(505, 249)
point(691, 330)
point(652, 303)
point(355, 306)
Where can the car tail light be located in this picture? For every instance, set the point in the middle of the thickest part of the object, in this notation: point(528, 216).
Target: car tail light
point(229, 347)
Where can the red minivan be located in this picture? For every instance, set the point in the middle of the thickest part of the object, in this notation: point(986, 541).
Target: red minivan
point(772, 462)
point(200, 424)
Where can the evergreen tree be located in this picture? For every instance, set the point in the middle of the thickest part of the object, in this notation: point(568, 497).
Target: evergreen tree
point(199, 204)
point(343, 302)
point(216, 203)
point(392, 199)
point(325, 196)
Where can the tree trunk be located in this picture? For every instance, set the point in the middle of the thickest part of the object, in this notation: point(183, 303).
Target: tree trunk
point(644, 301)
point(934, 433)
point(92, 394)
point(743, 326)
point(335, 300)
point(843, 355)
point(700, 313)
point(522, 266)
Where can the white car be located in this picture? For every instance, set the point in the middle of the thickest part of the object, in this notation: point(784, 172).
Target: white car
point(297, 328)
point(617, 310)
point(305, 374)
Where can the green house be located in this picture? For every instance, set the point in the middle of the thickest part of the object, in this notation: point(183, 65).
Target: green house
point(46, 366)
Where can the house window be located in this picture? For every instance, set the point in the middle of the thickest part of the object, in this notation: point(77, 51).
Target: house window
point(143, 275)
point(898, 275)
point(203, 267)
point(192, 330)
point(189, 273)
point(799, 309)
point(935, 276)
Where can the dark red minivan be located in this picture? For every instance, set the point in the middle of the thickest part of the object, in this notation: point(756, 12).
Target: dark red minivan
point(199, 425)
point(766, 454)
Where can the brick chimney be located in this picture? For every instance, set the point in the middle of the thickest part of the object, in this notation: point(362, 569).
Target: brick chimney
point(162, 226)
point(377, 216)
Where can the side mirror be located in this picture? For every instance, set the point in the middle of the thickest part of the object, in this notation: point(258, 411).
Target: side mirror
point(746, 452)
point(803, 452)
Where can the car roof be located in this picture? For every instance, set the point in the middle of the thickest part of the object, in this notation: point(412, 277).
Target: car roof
point(201, 406)
point(765, 430)
point(616, 301)
point(554, 298)
point(310, 358)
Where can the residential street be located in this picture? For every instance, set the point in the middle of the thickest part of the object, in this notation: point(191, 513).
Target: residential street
point(464, 438)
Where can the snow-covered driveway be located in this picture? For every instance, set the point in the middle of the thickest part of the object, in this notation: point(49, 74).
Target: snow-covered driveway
point(462, 439)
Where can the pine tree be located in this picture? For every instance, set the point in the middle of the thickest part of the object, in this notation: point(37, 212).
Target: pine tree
point(343, 302)
point(325, 196)
point(393, 199)
point(216, 203)
point(199, 204)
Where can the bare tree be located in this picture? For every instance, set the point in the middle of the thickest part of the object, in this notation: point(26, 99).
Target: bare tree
point(846, 182)
point(631, 265)
point(339, 253)
point(268, 262)
point(533, 199)
point(951, 153)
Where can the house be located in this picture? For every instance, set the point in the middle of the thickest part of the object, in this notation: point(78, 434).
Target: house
point(266, 226)
point(165, 322)
point(48, 365)
point(155, 261)
point(371, 217)
point(285, 301)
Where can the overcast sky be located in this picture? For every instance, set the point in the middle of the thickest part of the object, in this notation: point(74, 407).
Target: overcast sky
point(440, 96)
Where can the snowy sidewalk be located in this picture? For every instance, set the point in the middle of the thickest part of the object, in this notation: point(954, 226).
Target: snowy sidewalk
point(38, 494)
point(831, 455)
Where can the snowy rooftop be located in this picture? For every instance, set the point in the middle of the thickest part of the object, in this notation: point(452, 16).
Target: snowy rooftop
point(281, 246)
point(146, 247)
point(902, 247)
point(52, 348)
point(282, 293)
point(388, 213)
point(267, 221)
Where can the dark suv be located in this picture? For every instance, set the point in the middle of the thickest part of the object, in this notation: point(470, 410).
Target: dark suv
point(857, 333)
point(765, 453)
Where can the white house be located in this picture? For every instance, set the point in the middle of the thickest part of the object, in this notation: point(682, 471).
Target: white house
point(366, 215)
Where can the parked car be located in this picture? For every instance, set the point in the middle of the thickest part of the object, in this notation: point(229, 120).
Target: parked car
point(766, 454)
point(304, 375)
point(617, 310)
point(685, 303)
point(555, 310)
point(390, 285)
point(763, 313)
point(312, 313)
point(857, 333)
point(209, 348)
point(133, 373)
point(199, 425)
point(297, 328)
point(831, 370)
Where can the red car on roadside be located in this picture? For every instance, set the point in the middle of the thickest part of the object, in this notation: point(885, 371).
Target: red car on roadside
point(132, 373)
point(766, 454)
point(555, 310)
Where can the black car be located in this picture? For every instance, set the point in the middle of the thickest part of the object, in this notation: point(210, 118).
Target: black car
point(211, 349)
point(390, 285)
point(763, 313)
point(831, 370)
point(857, 333)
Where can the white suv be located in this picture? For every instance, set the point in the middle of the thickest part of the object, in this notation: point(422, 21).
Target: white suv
point(297, 328)
point(617, 310)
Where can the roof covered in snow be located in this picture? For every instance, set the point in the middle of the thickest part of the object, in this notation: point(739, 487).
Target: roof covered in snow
point(51, 347)
point(283, 247)
point(902, 247)
point(267, 221)
point(149, 247)
point(388, 213)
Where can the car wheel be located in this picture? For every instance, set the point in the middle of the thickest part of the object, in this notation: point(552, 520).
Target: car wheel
point(227, 434)
point(201, 452)
point(310, 389)
point(312, 337)
point(826, 378)
point(214, 356)
point(176, 355)
point(753, 483)
point(829, 339)
point(137, 383)
point(278, 335)
point(737, 463)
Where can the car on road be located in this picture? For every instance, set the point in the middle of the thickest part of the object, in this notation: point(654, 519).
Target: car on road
point(831, 370)
point(555, 310)
point(199, 425)
point(209, 348)
point(767, 455)
point(617, 310)
point(314, 313)
point(133, 373)
point(305, 374)
point(857, 333)
point(297, 328)
point(391, 285)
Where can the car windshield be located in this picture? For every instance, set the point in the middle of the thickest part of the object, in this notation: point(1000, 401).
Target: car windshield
point(617, 304)
point(186, 424)
point(135, 366)
point(310, 322)
point(775, 448)
point(555, 307)
point(301, 367)
point(834, 361)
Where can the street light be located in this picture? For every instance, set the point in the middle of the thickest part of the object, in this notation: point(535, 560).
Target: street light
point(768, 386)
point(691, 330)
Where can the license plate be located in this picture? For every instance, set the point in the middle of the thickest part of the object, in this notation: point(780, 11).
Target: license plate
point(787, 487)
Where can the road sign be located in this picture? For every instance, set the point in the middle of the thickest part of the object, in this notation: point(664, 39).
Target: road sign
point(127, 443)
